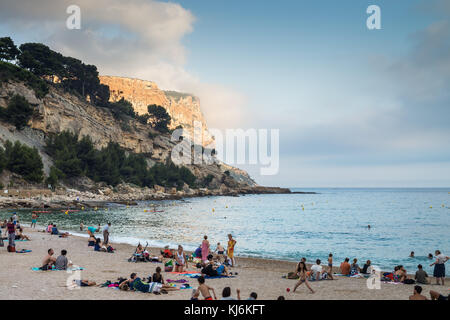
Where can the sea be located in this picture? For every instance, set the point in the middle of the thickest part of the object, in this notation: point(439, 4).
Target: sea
point(285, 226)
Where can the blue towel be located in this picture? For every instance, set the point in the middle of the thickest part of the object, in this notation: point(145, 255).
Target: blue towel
point(53, 269)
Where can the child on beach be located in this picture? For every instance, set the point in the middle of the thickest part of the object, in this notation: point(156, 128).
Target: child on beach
point(302, 273)
point(220, 251)
point(205, 290)
point(34, 217)
point(180, 260)
point(330, 266)
point(157, 276)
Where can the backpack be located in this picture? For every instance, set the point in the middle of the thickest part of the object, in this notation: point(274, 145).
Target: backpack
point(409, 281)
point(11, 248)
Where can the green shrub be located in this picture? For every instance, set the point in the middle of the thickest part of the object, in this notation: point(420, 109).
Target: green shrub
point(10, 72)
point(24, 160)
point(18, 111)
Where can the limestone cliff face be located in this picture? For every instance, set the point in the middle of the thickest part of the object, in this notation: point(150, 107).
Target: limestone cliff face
point(183, 108)
point(59, 111)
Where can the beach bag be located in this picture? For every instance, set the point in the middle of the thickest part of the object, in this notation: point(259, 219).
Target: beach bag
point(11, 248)
point(168, 266)
point(409, 281)
point(292, 275)
point(110, 249)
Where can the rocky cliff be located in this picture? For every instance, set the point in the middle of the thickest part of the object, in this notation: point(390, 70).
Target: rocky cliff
point(59, 111)
point(183, 108)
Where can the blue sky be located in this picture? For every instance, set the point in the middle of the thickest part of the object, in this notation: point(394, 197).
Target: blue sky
point(355, 107)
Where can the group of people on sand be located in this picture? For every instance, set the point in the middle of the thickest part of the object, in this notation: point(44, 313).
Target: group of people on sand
point(318, 272)
point(13, 230)
point(204, 250)
point(59, 263)
point(97, 243)
point(205, 291)
point(434, 295)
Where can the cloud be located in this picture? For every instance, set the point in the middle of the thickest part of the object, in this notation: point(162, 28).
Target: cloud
point(137, 38)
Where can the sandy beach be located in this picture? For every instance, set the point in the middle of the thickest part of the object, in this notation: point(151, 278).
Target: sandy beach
point(259, 275)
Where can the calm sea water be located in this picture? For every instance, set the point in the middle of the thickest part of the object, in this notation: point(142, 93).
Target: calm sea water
point(277, 226)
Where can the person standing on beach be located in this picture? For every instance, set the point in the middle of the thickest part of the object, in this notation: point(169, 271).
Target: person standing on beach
point(439, 266)
point(330, 266)
point(34, 217)
point(230, 249)
point(106, 233)
point(11, 227)
point(302, 273)
point(205, 248)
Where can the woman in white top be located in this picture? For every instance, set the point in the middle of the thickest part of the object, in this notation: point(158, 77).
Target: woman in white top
point(439, 266)
point(180, 260)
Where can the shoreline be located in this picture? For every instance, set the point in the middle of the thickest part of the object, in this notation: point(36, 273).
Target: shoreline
point(263, 276)
point(78, 199)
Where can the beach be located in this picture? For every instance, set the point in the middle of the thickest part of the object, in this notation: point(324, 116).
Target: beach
point(262, 276)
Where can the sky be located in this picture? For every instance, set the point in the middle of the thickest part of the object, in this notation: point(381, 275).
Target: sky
point(355, 107)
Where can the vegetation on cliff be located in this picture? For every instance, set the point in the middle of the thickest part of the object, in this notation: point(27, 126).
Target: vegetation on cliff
point(74, 157)
point(18, 112)
point(23, 160)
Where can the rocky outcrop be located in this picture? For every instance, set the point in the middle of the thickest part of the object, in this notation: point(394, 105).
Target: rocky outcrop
point(183, 108)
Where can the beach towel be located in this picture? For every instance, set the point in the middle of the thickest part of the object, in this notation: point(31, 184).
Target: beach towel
point(53, 269)
point(195, 276)
point(176, 281)
point(23, 251)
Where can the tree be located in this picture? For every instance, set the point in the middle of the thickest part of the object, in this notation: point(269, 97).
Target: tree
point(18, 111)
point(2, 159)
point(24, 160)
point(40, 60)
point(159, 118)
point(8, 50)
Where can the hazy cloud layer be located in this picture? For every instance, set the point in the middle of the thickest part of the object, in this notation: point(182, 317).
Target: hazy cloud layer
point(137, 38)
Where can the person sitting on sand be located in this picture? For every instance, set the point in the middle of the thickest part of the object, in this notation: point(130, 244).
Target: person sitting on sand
point(55, 231)
point(302, 273)
point(167, 253)
point(212, 270)
point(345, 267)
point(49, 260)
point(50, 227)
point(437, 296)
point(99, 246)
point(417, 294)
point(354, 268)
point(62, 263)
point(21, 236)
point(226, 294)
point(198, 252)
point(91, 240)
point(204, 290)
point(316, 271)
point(157, 276)
point(421, 275)
point(400, 274)
point(84, 283)
point(180, 260)
point(135, 283)
point(365, 269)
